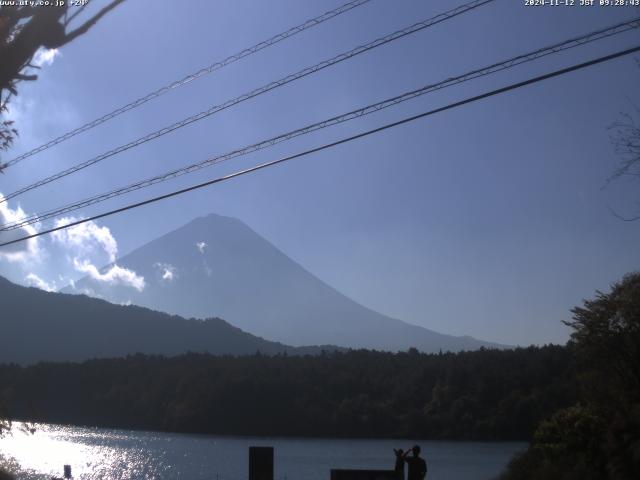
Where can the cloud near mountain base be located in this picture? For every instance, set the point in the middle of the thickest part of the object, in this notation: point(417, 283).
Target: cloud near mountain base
point(91, 240)
point(113, 275)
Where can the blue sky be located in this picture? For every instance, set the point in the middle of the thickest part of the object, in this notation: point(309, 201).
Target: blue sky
point(488, 220)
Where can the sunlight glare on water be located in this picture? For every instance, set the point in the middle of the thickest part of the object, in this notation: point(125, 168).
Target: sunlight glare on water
point(109, 454)
point(92, 453)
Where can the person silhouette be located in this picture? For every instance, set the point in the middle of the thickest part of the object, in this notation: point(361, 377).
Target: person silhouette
point(399, 467)
point(417, 465)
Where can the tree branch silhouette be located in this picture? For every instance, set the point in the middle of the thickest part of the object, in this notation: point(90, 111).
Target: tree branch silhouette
point(23, 31)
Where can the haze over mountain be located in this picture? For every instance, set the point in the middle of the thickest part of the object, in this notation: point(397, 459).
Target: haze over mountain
point(218, 266)
point(38, 326)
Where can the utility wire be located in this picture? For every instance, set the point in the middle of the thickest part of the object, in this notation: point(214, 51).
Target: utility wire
point(496, 67)
point(191, 77)
point(450, 106)
point(254, 93)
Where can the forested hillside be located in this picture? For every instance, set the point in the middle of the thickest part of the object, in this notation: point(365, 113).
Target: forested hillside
point(486, 394)
point(43, 326)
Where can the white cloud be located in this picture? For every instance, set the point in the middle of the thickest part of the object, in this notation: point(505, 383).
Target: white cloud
point(35, 281)
point(83, 245)
point(167, 271)
point(114, 275)
point(201, 246)
point(45, 57)
point(86, 237)
point(18, 252)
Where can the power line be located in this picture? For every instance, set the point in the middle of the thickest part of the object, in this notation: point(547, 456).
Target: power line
point(512, 62)
point(450, 106)
point(254, 93)
point(193, 76)
point(494, 68)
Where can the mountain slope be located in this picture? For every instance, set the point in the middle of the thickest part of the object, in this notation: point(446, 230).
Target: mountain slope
point(218, 266)
point(37, 325)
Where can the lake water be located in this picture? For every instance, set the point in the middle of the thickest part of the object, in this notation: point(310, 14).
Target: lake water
point(105, 454)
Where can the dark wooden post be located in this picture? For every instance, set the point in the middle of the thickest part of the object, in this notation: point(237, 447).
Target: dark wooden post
point(260, 463)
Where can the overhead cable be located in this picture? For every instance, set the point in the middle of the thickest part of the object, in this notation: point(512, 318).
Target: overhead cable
point(353, 114)
point(367, 133)
point(253, 93)
point(191, 77)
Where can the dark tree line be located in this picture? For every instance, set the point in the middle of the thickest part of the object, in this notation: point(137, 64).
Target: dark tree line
point(486, 394)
